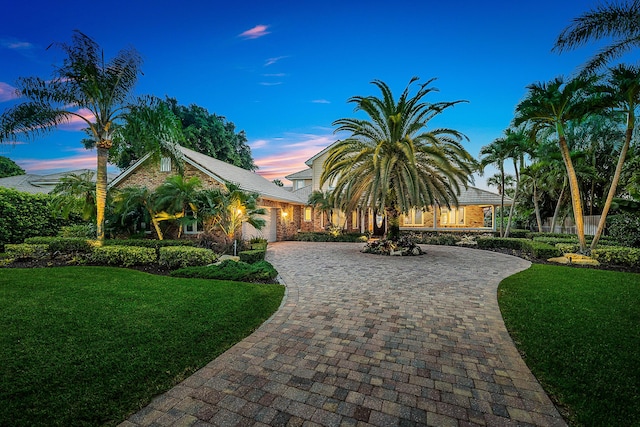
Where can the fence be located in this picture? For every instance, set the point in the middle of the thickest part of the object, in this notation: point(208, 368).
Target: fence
point(568, 226)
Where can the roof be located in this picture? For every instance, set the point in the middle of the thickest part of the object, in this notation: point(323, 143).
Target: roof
point(43, 184)
point(312, 159)
point(303, 174)
point(304, 193)
point(225, 172)
point(477, 196)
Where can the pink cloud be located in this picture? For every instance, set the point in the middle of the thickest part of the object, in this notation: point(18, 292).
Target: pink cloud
point(7, 92)
point(86, 160)
point(255, 32)
point(76, 123)
point(271, 61)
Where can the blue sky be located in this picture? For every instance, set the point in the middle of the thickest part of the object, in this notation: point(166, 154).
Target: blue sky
point(283, 70)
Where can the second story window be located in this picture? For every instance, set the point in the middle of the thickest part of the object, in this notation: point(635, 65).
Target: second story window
point(165, 164)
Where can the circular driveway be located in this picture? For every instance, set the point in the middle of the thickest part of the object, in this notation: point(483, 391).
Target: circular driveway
point(364, 339)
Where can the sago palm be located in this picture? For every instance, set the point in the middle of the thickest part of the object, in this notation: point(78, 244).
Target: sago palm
point(391, 161)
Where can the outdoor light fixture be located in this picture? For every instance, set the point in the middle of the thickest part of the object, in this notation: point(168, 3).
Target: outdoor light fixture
point(285, 214)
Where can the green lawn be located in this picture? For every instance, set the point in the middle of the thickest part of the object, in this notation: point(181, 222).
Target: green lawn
point(579, 331)
point(89, 345)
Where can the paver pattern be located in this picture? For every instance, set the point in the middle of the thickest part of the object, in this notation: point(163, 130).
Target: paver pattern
point(370, 340)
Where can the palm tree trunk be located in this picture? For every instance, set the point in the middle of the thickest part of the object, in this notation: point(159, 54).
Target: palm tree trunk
point(501, 200)
point(101, 190)
point(558, 204)
point(614, 182)
point(393, 224)
point(513, 205)
point(576, 200)
point(536, 207)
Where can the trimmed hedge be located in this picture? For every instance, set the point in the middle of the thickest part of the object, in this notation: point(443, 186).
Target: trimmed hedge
point(123, 256)
point(319, 236)
point(26, 250)
point(531, 247)
point(63, 245)
point(185, 256)
point(25, 215)
point(620, 255)
point(540, 249)
point(253, 256)
point(148, 243)
point(261, 271)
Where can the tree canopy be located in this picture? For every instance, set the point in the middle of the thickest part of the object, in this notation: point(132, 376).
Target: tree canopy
point(9, 168)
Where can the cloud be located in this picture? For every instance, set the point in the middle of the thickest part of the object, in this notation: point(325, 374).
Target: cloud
point(255, 32)
point(260, 143)
point(270, 83)
point(76, 123)
point(271, 61)
point(274, 75)
point(7, 92)
point(85, 160)
point(16, 45)
point(321, 101)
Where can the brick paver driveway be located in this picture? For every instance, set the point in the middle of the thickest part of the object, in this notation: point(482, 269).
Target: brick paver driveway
point(370, 340)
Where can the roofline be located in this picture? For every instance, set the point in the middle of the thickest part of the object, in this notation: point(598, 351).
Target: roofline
point(327, 148)
point(128, 170)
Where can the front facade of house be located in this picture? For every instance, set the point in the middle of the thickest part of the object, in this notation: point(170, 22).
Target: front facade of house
point(284, 209)
point(476, 209)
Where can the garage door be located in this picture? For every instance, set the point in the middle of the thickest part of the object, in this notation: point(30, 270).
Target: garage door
point(269, 231)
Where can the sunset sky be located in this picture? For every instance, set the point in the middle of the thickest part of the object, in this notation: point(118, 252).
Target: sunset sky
point(282, 71)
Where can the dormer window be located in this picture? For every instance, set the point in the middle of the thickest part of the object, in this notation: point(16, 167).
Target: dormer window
point(165, 164)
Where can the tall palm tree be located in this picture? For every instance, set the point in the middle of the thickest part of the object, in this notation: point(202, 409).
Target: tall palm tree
point(534, 175)
point(88, 89)
point(391, 161)
point(495, 154)
point(614, 21)
point(552, 105)
point(517, 145)
point(623, 91)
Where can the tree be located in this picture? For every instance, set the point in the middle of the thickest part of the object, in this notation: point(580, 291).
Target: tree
point(226, 209)
point(213, 135)
point(613, 21)
point(9, 168)
point(278, 182)
point(76, 190)
point(552, 105)
point(175, 197)
point(517, 144)
point(322, 201)
point(623, 92)
point(391, 161)
point(86, 89)
point(495, 154)
point(129, 199)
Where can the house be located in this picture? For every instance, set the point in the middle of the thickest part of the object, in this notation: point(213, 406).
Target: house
point(284, 208)
point(40, 184)
point(476, 209)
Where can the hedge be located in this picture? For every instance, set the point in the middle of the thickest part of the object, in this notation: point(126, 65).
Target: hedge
point(620, 255)
point(540, 249)
point(26, 250)
point(252, 256)
point(185, 256)
point(319, 236)
point(25, 215)
point(123, 256)
point(261, 271)
point(531, 247)
point(63, 245)
point(148, 243)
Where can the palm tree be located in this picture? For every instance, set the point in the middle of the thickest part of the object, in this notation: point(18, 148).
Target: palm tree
point(495, 154)
point(228, 208)
point(517, 144)
point(73, 188)
point(534, 175)
point(130, 199)
point(87, 89)
point(495, 180)
point(614, 21)
point(391, 162)
point(624, 92)
point(175, 197)
point(323, 201)
point(552, 105)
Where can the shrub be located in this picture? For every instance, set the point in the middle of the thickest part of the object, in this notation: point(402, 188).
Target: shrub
point(25, 215)
point(568, 248)
point(319, 236)
point(40, 240)
point(555, 240)
point(625, 229)
point(252, 256)
point(619, 255)
point(26, 250)
point(84, 231)
point(124, 256)
point(501, 242)
point(519, 233)
point(261, 271)
point(540, 249)
point(148, 243)
point(63, 245)
point(185, 256)
point(443, 239)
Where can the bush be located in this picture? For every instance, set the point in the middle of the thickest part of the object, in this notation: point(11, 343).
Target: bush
point(555, 240)
point(501, 242)
point(185, 256)
point(540, 249)
point(63, 245)
point(149, 243)
point(619, 255)
point(123, 256)
point(26, 250)
point(261, 271)
point(443, 239)
point(253, 256)
point(25, 215)
point(519, 233)
point(319, 236)
point(568, 248)
point(625, 229)
point(83, 231)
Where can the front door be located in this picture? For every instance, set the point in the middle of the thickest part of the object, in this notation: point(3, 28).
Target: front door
point(379, 224)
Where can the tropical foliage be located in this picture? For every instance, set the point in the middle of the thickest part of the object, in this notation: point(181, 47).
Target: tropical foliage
point(391, 161)
point(9, 168)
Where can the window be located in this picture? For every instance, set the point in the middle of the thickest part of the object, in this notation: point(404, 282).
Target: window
point(165, 164)
point(338, 218)
point(191, 227)
point(354, 219)
point(307, 214)
point(452, 217)
point(414, 217)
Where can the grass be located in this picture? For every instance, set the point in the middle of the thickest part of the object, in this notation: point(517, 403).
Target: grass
point(579, 332)
point(90, 345)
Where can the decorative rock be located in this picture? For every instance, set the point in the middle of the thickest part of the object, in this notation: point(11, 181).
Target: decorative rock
point(574, 259)
point(226, 257)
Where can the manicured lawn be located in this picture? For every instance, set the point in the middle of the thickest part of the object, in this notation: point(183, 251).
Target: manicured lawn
point(579, 331)
point(89, 345)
